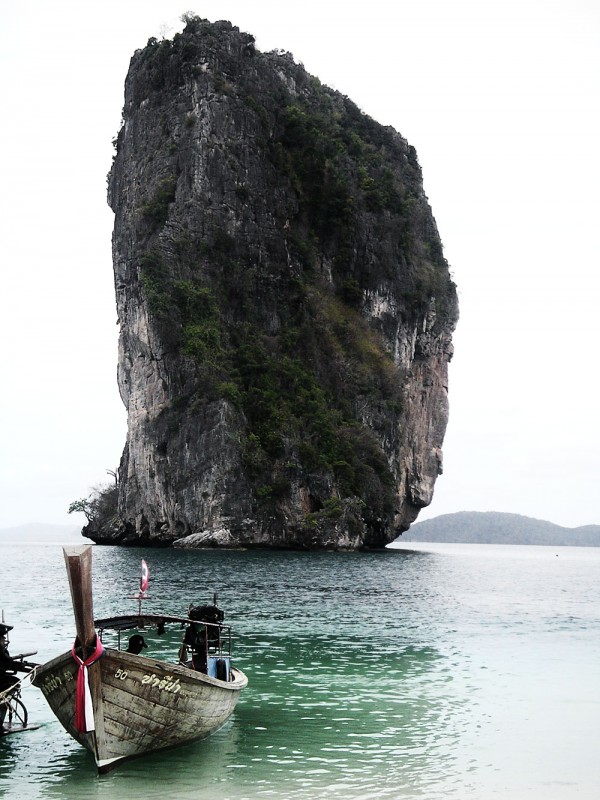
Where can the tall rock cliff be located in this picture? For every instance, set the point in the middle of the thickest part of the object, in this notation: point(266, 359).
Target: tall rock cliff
point(284, 304)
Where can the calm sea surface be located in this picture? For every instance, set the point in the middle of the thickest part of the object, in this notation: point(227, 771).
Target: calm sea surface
point(465, 671)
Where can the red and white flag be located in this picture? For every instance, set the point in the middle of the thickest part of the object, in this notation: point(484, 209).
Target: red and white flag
point(145, 577)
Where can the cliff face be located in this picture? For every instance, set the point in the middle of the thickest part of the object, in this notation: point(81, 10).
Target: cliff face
point(284, 304)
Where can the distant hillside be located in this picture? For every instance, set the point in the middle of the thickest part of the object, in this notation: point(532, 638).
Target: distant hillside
point(491, 527)
point(42, 533)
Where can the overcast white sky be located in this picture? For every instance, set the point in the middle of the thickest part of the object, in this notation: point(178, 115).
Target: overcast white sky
point(500, 99)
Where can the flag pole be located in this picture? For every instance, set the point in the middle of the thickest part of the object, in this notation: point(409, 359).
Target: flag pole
point(144, 583)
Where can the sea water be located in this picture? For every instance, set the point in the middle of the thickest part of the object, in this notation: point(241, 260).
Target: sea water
point(420, 672)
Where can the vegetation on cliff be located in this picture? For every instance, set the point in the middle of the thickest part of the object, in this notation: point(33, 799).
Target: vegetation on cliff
point(269, 215)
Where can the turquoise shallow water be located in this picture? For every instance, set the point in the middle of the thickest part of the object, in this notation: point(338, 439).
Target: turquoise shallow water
point(468, 671)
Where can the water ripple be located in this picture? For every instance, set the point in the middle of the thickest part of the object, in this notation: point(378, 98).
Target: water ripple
point(404, 676)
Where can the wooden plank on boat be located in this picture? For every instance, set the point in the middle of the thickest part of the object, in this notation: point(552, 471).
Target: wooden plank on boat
point(78, 561)
point(147, 705)
point(141, 704)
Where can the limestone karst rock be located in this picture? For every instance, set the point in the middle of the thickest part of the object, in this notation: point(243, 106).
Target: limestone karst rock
point(285, 307)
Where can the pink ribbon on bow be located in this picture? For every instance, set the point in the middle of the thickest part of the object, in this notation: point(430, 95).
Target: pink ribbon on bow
point(84, 709)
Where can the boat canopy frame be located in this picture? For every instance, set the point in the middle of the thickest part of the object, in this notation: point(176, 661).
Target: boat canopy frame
point(126, 622)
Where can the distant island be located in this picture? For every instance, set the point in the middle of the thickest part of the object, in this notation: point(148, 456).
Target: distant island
point(41, 533)
point(464, 527)
point(492, 527)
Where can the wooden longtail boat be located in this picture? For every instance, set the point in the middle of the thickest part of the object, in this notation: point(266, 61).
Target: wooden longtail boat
point(136, 704)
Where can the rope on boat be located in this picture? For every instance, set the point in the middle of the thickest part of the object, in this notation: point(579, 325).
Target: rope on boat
point(7, 694)
point(84, 707)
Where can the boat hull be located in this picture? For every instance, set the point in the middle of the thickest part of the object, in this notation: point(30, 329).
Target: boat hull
point(141, 705)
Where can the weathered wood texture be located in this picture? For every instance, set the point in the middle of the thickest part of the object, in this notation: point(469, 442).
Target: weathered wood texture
point(78, 561)
point(148, 705)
